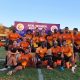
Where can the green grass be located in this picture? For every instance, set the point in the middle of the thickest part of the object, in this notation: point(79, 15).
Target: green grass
point(2, 53)
point(25, 74)
point(60, 75)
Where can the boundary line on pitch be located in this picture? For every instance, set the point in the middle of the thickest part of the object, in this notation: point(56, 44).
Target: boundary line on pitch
point(40, 75)
point(2, 59)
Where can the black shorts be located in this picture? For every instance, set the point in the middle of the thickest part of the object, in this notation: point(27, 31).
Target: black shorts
point(40, 58)
point(48, 45)
point(33, 49)
point(59, 57)
point(12, 67)
point(75, 48)
point(54, 58)
point(48, 57)
point(66, 58)
point(10, 42)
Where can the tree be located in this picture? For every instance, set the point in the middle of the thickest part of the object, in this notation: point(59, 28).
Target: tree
point(12, 27)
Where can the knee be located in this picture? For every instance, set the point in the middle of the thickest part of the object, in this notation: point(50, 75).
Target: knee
point(19, 67)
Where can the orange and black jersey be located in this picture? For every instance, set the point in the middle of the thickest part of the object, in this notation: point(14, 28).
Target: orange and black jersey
point(56, 50)
point(41, 51)
point(29, 36)
point(42, 39)
point(56, 36)
point(14, 36)
point(35, 39)
point(67, 50)
point(68, 37)
point(24, 45)
point(50, 38)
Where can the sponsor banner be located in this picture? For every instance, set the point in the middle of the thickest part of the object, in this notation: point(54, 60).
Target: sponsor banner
point(21, 27)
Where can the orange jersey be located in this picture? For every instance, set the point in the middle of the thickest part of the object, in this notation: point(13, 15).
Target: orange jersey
point(24, 44)
point(42, 39)
point(28, 36)
point(67, 37)
point(56, 36)
point(35, 39)
point(56, 50)
point(67, 50)
point(49, 38)
point(29, 56)
point(44, 34)
point(41, 51)
point(24, 59)
point(61, 37)
point(14, 36)
point(21, 57)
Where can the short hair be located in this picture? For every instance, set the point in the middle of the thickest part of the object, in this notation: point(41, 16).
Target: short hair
point(66, 28)
point(76, 29)
point(29, 31)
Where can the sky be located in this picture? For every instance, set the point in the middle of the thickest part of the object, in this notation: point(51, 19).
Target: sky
point(63, 12)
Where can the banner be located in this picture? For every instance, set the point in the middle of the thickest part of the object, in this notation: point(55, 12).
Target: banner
point(21, 27)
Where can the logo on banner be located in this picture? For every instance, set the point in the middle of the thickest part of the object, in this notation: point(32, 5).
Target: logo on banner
point(54, 27)
point(20, 27)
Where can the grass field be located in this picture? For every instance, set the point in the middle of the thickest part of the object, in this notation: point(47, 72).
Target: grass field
point(32, 73)
point(61, 75)
point(26, 74)
point(2, 53)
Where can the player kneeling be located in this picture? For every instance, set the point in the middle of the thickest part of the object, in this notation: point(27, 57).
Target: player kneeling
point(40, 55)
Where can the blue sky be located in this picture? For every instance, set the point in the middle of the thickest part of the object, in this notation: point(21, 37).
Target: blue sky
point(64, 12)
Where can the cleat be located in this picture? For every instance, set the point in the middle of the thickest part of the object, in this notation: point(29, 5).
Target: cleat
point(3, 69)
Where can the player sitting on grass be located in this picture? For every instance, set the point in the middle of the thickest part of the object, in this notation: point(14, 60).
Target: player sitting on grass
point(23, 61)
point(10, 59)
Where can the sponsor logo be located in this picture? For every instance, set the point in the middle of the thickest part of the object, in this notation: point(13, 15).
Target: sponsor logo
point(54, 27)
point(20, 27)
